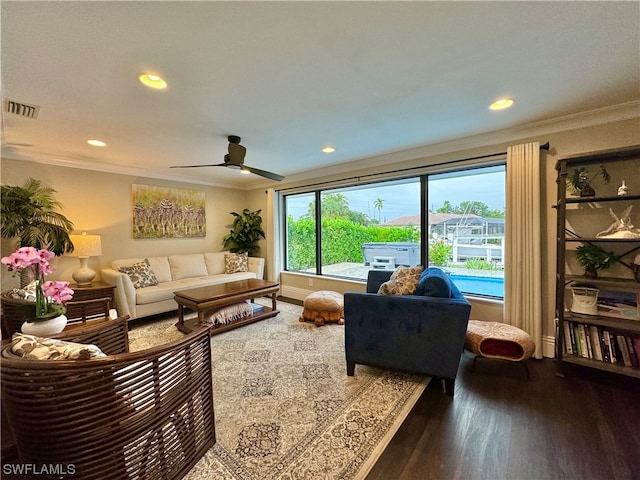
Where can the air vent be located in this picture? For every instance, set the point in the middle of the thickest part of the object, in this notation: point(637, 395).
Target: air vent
point(22, 109)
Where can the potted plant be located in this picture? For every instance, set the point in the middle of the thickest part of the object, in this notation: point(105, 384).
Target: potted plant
point(579, 182)
point(593, 258)
point(245, 233)
point(28, 213)
point(46, 314)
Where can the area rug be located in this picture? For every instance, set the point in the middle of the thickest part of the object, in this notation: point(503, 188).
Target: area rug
point(284, 405)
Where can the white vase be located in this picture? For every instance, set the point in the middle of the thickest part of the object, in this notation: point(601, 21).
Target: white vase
point(45, 328)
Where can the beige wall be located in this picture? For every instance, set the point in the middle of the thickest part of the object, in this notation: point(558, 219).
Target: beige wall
point(100, 203)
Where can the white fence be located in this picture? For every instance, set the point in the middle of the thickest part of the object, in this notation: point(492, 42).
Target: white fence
point(478, 246)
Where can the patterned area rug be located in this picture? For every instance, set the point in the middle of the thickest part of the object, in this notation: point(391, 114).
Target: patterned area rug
point(284, 405)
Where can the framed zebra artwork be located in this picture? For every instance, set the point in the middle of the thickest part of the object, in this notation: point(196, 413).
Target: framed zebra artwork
point(160, 212)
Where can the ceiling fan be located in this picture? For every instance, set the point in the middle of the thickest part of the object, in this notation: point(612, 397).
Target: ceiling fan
point(235, 159)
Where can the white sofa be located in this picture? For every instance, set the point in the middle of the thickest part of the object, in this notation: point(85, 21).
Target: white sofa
point(173, 272)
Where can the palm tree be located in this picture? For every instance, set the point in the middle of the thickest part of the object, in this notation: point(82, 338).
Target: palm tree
point(28, 213)
point(377, 205)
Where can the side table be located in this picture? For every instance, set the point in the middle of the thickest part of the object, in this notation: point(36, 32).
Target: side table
point(94, 291)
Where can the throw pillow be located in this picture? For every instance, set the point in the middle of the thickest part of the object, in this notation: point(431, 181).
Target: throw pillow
point(434, 282)
point(38, 348)
point(140, 274)
point(236, 262)
point(403, 281)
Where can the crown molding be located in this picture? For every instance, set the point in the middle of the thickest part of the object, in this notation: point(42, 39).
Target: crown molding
point(601, 116)
point(20, 154)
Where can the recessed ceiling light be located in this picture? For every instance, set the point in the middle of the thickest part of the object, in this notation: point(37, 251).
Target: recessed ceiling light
point(97, 143)
point(245, 170)
point(502, 103)
point(328, 149)
point(151, 80)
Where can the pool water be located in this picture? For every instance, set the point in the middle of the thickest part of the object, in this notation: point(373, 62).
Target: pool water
point(491, 286)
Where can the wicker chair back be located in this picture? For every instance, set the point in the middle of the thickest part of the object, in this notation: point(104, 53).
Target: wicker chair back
point(142, 415)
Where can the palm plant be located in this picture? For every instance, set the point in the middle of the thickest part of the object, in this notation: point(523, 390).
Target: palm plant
point(28, 213)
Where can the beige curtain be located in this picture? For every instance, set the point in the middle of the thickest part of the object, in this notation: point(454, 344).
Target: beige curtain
point(523, 262)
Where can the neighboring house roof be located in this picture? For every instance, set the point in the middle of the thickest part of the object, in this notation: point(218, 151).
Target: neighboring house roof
point(471, 220)
point(433, 219)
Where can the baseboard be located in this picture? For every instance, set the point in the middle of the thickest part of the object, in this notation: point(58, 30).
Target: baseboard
point(294, 292)
point(548, 347)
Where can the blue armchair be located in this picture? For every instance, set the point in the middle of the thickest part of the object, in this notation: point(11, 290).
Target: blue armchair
point(414, 333)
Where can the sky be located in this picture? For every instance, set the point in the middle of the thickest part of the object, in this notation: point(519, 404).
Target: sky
point(403, 199)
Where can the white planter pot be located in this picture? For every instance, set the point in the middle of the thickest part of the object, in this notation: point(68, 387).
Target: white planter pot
point(46, 327)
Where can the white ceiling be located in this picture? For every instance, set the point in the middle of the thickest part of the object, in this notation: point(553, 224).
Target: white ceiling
point(289, 77)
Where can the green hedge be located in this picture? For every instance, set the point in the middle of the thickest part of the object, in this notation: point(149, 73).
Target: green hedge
point(342, 240)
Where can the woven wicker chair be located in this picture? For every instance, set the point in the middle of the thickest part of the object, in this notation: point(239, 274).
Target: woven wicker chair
point(142, 415)
point(109, 335)
point(13, 314)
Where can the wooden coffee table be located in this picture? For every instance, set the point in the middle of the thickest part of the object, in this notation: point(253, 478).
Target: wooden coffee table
point(214, 297)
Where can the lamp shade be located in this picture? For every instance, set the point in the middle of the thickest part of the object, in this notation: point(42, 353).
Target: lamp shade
point(86, 245)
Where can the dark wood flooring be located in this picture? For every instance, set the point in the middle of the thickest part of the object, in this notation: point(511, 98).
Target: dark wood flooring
point(501, 426)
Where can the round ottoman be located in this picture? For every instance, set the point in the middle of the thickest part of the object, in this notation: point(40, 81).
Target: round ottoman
point(323, 306)
point(499, 340)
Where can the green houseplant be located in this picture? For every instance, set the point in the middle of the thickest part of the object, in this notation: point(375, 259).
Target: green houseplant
point(245, 233)
point(579, 181)
point(593, 258)
point(29, 214)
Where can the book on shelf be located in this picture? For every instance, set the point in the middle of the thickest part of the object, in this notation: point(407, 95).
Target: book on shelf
point(601, 344)
point(594, 337)
point(636, 346)
point(632, 351)
point(606, 356)
point(568, 338)
point(257, 308)
point(624, 350)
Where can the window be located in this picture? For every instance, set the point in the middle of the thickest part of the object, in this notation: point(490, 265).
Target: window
point(466, 228)
point(381, 226)
point(301, 233)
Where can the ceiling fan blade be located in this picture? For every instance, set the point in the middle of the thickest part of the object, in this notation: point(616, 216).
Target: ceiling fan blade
point(196, 166)
point(264, 173)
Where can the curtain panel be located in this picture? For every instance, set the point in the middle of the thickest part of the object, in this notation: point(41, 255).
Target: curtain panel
point(523, 258)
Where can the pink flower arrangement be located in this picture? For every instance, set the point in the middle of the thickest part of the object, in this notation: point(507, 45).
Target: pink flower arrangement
point(50, 296)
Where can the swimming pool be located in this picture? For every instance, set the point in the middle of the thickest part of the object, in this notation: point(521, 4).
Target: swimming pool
point(491, 286)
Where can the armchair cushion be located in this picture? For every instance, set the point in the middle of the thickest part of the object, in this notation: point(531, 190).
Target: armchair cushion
point(403, 281)
point(141, 274)
point(434, 282)
point(38, 348)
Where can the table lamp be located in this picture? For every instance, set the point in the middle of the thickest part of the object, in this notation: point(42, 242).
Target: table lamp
point(85, 246)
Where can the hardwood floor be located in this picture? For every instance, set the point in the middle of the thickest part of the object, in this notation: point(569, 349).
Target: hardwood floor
point(501, 426)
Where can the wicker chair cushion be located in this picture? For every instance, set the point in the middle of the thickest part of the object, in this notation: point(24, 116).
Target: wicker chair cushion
point(141, 274)
point(236, 262)
point(38, 348)
point(403, 281)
